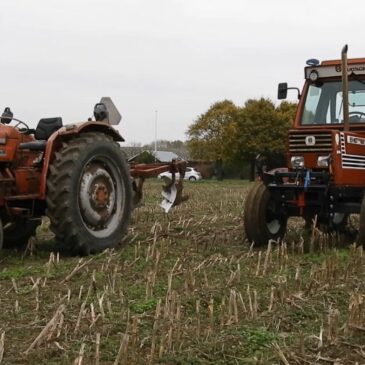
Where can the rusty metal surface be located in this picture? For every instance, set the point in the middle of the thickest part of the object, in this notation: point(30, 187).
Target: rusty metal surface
point(141, 171)
point(152, 170)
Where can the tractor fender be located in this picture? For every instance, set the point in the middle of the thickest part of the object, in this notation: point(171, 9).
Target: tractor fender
point(65, 133)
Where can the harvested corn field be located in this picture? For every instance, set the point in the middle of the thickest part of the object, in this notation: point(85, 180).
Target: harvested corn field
point(187, 289)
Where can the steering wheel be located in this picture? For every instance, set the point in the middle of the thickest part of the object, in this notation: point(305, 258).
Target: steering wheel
point(19, 122)
point(22, 123)
point(359, 114)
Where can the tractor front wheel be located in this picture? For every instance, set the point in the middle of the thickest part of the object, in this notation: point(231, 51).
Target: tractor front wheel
point(89, 197)
point(263, 220)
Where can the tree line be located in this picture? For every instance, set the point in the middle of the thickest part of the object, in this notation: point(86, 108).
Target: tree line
point(234, 135)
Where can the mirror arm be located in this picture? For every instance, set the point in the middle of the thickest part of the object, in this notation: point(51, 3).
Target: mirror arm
point(295, 88)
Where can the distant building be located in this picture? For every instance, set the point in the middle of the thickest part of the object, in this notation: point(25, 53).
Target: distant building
point(148, 156)
point(130, 152)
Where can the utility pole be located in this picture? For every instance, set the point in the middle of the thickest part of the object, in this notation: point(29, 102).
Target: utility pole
point(156, 116)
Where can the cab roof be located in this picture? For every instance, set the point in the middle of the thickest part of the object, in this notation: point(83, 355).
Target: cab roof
point(350, 61)
point(332, 68)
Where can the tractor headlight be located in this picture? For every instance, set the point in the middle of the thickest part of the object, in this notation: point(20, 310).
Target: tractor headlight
point(297, 161)
point(323, 161)
point(313, 75)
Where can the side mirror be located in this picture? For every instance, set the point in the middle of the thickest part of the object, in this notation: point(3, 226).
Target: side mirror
point(282, 90)
point(107, 111)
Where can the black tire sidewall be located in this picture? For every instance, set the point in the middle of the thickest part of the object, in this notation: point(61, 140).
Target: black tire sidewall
point(86, 240)
point(264, 200)
point(248, 213)
point(255, 216)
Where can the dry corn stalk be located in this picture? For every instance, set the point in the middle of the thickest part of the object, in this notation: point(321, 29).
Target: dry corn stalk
point(81, 313)
point(280, 353)
point(2, 346)
point(80, 265)
point(122, 348)
point(356, 310)
point(197, 309)
point(333, 325)
point(155, 329)
point(80, 357)
point(267, 257)
point(48, 329)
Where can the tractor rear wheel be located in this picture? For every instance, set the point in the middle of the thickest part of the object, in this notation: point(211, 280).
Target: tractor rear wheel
point(262, 219)
point(89, 197)
point(17, 234)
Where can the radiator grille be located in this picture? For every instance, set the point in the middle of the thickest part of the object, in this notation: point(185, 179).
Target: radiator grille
point(297, 142)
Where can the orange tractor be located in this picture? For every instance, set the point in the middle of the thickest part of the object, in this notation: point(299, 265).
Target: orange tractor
point(325, 172)
point(75, 174)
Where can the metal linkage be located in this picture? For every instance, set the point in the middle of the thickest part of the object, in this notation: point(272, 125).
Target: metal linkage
point(171, 192)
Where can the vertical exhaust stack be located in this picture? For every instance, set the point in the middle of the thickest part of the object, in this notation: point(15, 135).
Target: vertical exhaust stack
point(345, 89)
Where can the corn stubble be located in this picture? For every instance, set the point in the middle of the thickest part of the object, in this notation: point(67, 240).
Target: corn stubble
point(188, 289)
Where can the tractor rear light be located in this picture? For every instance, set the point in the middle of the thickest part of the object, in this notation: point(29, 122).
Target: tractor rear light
point(323, 161)
point(297, 161)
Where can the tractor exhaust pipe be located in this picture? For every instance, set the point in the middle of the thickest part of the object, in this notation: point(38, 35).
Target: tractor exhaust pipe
point(345, 89)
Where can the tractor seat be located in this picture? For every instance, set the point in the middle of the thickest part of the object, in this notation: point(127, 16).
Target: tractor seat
point(45, 128)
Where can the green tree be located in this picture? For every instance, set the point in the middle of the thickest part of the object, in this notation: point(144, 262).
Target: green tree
point(286, 112)
point(262, 129)
point(210, 137)
point(213, 135)
point(232, 136)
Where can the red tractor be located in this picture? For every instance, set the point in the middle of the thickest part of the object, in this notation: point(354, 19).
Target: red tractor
point(75, 174)
point(325, 172)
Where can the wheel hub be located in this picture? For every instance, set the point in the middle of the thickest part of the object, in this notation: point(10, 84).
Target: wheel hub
point(273, 221)
point(97, 196)
point(100, 195)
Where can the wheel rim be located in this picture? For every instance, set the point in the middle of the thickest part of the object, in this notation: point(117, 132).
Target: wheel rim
point(101, 197)
point(273, 221)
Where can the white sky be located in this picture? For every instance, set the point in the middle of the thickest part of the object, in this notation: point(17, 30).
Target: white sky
point(58, 57)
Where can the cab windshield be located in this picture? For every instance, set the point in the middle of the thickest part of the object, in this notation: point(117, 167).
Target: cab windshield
point(323, 103)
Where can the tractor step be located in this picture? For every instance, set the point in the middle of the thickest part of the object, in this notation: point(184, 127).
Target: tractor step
point(22, 197)
point(20, 212)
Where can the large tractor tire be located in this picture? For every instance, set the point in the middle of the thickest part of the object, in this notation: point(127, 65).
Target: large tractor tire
point(89, 197)
point(17, 234)
point(262, 220)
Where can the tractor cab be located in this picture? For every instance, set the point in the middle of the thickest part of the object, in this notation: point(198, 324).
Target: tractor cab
point(322, 137)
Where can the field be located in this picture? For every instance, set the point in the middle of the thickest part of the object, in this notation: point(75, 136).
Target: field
point(186, 289)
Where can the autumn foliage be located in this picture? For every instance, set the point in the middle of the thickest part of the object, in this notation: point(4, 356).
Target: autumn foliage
point(228, 133)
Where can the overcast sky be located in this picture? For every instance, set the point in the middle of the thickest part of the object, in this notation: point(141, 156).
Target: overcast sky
point(175, 56)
